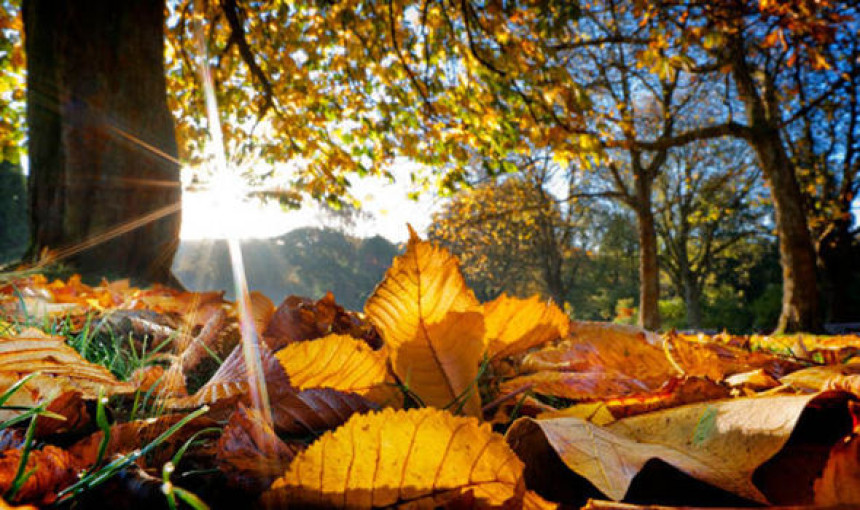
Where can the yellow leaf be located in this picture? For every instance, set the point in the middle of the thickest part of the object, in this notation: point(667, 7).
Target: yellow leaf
point(340, 362)
point(422, 310)
point(516, 325)
point(425, 457)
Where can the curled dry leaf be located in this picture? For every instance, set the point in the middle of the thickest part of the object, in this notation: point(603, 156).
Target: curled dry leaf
point(130, 436)
point(340, 362)
point(71, 407)
point(299, 319)
point(676, 392)
point(423, 311)
point(231, 380)
point(592, 385)
point(52, 469)
point(717, 361)
point(515, 325)
point(701, 440)
point(250, 453)
point(59, 365)
point(262, 310)
point(599, 346)
point(840, 481)
point(315, 410)
point(821, 377)
point(421, 457)
point(161, 382)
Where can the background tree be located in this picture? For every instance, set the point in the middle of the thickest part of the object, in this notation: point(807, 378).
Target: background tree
point(709, 196)
point(104, 182)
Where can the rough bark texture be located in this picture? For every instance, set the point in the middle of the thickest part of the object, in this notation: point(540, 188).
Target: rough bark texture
point(104, 182)
point(800, 311)
point(649, 272)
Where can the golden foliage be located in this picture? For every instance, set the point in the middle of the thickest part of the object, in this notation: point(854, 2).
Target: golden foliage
point(428, 318)
point(422, 458)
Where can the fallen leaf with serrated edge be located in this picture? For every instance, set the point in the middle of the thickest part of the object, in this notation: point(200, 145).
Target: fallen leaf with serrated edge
point(422, 310)
point(423, 457)
point(339, 362)
point(515, 325)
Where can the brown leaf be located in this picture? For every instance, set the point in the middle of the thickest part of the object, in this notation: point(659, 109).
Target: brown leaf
point(53, 469)
point(840, 481)
point(422, 309)
point(299, 319)
point(231, 380)
point(675, 392)
point(515, 325)
point(315, 410)
point(250, 453)
point(162, 383)
point(422, 457)
point(594, 385)
point(71, 406)
point(127, 437)
point(822, 377)
point(702, 440)
point(262, 310)
point(717, 361)
point(605, 347)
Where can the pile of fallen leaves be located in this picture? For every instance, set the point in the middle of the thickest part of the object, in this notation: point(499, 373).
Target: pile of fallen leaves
point(428, 398)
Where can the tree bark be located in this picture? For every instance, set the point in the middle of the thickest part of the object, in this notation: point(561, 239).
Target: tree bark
point(800, 311)
point(649, 272)
point(104, 177)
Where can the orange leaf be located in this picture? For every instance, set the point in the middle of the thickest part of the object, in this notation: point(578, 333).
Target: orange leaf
point(593, 385)
point(422, 309)
point(52, 469)
point(840, 481)
point(515, 325)
point(425, 457)
point(340, 362)
point(250, 453)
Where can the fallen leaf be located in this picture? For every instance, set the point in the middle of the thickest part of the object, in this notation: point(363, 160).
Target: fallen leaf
point(422, 310)
point(340, 362)
point(755, 380)
point(702, 440)
point(676, 392)
point(71, 407)
point(299, 319)
point(315, 410)
point(818, 378)
point(717, 361)
point(840, 481)
point(262, 310)
point(52, 469)
point(250, 453)
point(604, 348)
point(594, 385)
point(59, 367)
point(130, 436)
point(421, 457)
point(515, 325)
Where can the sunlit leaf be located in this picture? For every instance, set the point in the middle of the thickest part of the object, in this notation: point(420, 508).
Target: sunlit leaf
point(422, 458)
point(422, 310)
point(515, 325)
point(702, 440)
point(340, 362)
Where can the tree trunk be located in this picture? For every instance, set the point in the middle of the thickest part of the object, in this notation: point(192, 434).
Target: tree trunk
point(800, 310)
point(649, 272)
point(839, 260)
point(104, 178)
point(692, 301)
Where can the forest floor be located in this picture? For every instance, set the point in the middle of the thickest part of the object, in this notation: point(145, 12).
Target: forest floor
point(112, 395)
